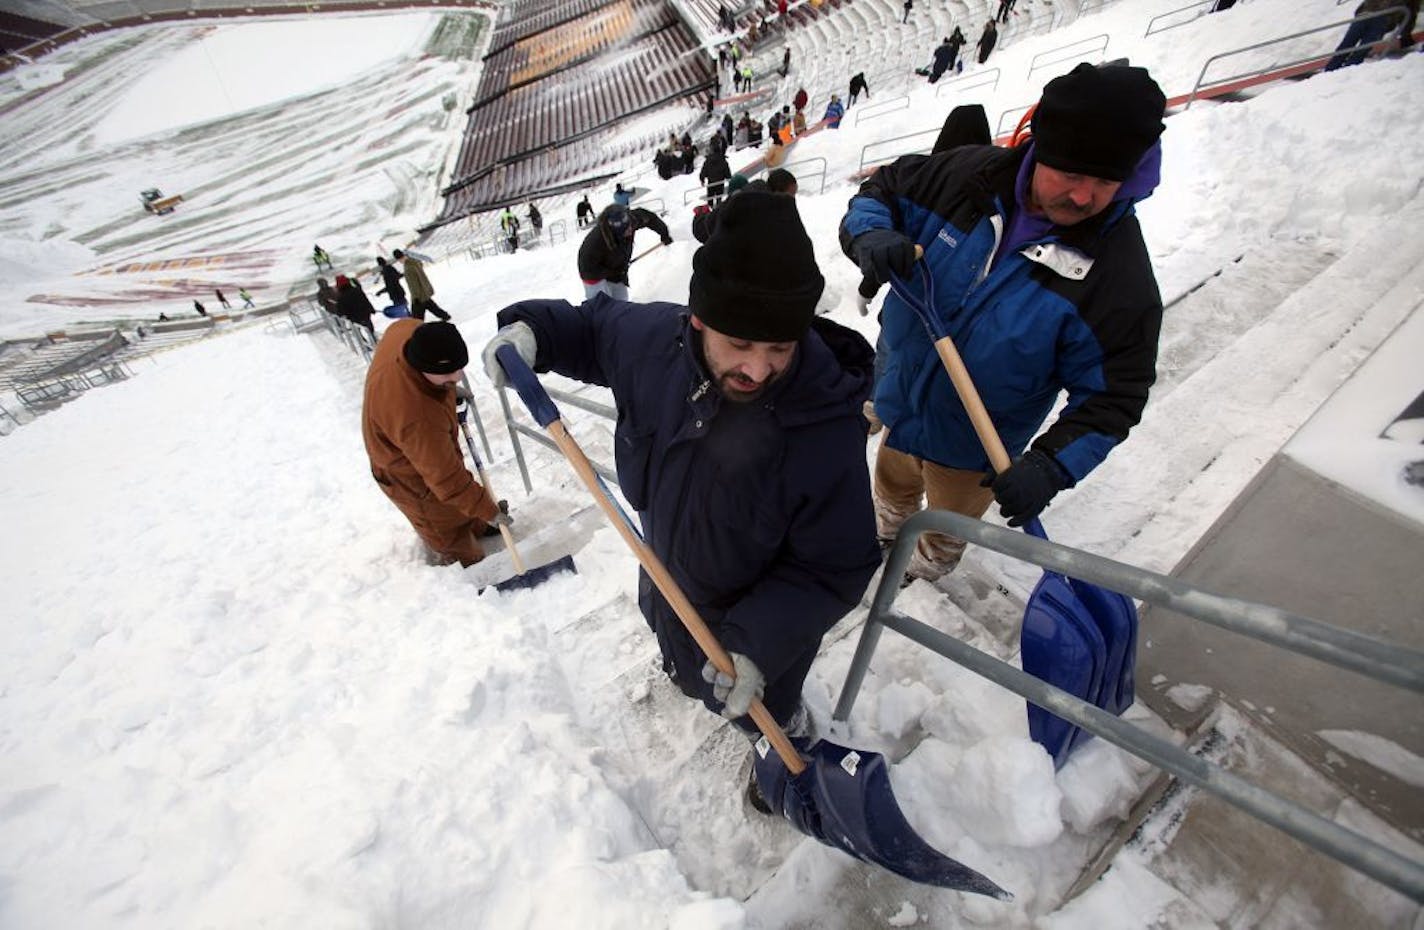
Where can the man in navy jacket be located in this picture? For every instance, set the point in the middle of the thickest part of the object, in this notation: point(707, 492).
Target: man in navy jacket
point(740, 443)
point(1042, 279)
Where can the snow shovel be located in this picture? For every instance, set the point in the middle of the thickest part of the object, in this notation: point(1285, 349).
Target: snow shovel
point(525, 578)
point(645, 253)
point(839, 796)
point(1076, 636)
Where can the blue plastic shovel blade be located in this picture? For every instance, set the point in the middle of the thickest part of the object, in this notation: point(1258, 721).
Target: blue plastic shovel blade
point(1116, 618)
point(1061, 645)
point(844, 800)
point(539, 574)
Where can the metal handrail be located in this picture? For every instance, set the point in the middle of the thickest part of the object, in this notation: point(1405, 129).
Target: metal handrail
point(1035, 63)
point(1365, 655)
point(517, 429)
point(1152, 23)
point(7, 417)
point(1374, 658)
point(1091, 6)
point(866, 158)
point(880, 108)
point(1040, 27)
point(801, 177)
point(972, 81)
point(1277, 66)
point(646, 204)
point(1016, 113)
point(583, 403)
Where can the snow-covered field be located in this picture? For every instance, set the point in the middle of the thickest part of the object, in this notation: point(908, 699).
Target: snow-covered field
point(233, 694)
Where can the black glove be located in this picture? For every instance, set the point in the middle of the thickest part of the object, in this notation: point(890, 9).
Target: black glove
point(462, 410)
point(1026, 486)
point(881, 252)
point(667, 240)
point(502, 518)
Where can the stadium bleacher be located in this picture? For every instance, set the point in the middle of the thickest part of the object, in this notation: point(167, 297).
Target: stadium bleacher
point(558, 72)
point(18, 31)
point(556, 75)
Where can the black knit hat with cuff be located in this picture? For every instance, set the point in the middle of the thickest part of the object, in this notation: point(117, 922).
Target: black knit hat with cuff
point(756, 278)
point(437, 348)
point(1098, 121)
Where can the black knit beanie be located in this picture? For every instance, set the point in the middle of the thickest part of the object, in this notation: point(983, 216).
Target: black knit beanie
point(436, 349)
point(756, 278)
point(1098, 121)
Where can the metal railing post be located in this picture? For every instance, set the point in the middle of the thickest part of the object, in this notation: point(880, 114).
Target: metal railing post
point(514, 440)
point(1350, 848)
point(1276, 66)
point(1362, 654)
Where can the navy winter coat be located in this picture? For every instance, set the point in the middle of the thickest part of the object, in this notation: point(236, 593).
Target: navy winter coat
point(1070, 308)
point(761, 511)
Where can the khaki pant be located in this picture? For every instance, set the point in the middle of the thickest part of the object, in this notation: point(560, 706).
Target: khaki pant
point(446, 532)
point(902, 482)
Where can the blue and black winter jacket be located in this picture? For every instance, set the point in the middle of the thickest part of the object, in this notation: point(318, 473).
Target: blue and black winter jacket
point(1074, 308)
point(761, 511)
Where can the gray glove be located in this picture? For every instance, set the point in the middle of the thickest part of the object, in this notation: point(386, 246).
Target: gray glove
point(518, 335)
point(736, 694)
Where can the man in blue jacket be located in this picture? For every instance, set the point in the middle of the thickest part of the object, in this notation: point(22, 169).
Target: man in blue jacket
point(1043, 281)
point(741, 445)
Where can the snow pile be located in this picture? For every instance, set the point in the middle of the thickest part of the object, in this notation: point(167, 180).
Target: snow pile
point(36, 76)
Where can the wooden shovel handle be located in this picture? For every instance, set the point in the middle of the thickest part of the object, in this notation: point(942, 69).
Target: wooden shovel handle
point(964, 387)
point(484, 480)
point(646, 252)
point(673, 593)
point(969, 396)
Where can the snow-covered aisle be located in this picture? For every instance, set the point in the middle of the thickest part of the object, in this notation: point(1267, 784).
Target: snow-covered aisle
point(251, 701)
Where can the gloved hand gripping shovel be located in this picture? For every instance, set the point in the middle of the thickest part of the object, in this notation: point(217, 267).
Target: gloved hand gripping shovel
point(1076, 636)
point(836, 795)
point(524, 578)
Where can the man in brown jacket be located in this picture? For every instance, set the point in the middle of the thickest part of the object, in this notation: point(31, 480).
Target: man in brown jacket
point(408, 421)
point(422, 293)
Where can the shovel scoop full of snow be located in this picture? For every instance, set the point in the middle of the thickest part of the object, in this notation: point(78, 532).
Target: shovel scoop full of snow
point(843, 799)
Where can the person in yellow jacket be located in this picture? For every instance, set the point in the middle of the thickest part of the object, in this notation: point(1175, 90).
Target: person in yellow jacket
point(409, 423)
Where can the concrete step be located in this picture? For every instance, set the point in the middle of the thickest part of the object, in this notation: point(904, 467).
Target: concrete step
point(1239, 872)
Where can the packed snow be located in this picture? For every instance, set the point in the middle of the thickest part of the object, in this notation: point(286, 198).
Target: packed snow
point(235, 695)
